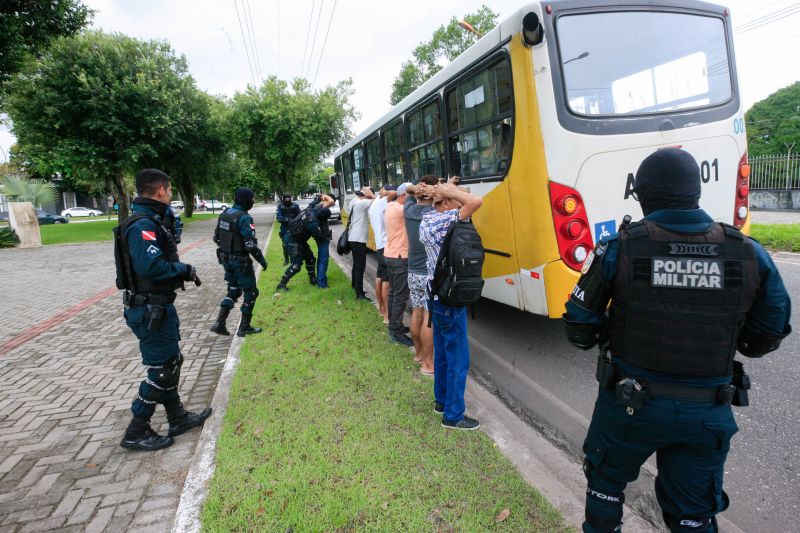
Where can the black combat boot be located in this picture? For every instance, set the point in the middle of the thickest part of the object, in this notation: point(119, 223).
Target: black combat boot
point(181, 420)
point(245, 328)
point(140, 436)
point(312, 278)
point(282, 285)
point(219, 325)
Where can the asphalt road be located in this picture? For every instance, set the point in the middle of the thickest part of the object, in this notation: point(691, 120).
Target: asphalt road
point(526, 361)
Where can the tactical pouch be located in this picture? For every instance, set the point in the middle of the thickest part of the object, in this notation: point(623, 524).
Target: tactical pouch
point(742, 383)
point(630, 393)
point(605, 371)
point(154, 316)
point(220, 256)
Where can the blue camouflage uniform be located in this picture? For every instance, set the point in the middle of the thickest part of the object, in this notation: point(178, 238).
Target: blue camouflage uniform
point(154, 259)
point(239, 273)
point(285, 212)
point(691, 438)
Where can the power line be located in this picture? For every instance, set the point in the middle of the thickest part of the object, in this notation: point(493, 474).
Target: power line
point(249, 21)
point(323, 44)
point(244, 40)
point(774, 16)
point(308, 36)
point(314, 42)
point(278, 34)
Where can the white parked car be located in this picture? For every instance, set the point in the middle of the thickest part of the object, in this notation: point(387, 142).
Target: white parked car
point(210, 204)
point(176, 204)
point(336, 212)
point(80, 212)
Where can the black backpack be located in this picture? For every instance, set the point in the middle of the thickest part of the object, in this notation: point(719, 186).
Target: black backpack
point(304, 225)
point(458, 278)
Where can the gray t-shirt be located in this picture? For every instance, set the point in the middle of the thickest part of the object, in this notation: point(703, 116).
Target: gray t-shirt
point(359, 225)
point(416, 250)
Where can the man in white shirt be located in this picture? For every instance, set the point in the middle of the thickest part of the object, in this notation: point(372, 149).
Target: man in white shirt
point(376, 220)
point(357, 236)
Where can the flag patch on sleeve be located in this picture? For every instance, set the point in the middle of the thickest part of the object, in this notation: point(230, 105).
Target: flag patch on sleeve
point(148, 235)
point(252, 226)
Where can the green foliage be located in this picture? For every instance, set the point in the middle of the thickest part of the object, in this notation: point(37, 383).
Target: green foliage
point(448, 42)
point(28, 26)
point(777, 237)
point(37, 192)
point(96, 105)
point(8, 237)
point(773, 124)
point(285, 128)
point(331, 428)
point(320, 178)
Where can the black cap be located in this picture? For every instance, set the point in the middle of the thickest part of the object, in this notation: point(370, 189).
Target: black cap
point(244, 197)
point(668, 179)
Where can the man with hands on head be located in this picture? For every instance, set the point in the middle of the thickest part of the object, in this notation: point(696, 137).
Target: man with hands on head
point(358, 235)
point(450, 342)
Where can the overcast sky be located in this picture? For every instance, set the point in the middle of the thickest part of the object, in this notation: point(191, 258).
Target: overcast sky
point(368, 40)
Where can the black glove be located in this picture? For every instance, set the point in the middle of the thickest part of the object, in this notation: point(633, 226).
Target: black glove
point(263, 263)
point(191, 273)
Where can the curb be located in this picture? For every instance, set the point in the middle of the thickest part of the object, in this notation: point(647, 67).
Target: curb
point(195, 488)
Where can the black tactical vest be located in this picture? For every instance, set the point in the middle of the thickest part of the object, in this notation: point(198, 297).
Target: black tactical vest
point(680, 300)
point(127, 278)
point(230, 238)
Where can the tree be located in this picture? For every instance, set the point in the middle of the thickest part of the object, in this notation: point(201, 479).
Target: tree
point(28, 26)
point(97, 105)
point(773, 124)
point(285, 129)
point(37, 192)
point(447, 43)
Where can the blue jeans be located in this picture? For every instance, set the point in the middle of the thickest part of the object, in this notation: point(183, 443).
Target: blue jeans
point(323, 252)
point(450, 358)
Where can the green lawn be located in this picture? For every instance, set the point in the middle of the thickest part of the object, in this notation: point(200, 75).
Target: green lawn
point(777, 237)
point(331, 428)
point(93, 231)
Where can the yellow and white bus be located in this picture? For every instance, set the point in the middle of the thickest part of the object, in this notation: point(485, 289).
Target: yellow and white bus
point(548, 116)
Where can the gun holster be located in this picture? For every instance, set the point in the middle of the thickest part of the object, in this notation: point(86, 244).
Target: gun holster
point(742, 383)
point(605, 371)
point(630, 393)
point(155, 316)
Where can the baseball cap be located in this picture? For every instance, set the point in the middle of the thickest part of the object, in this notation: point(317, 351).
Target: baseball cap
point(390, 187)
point(359, 193)
point(402, 188)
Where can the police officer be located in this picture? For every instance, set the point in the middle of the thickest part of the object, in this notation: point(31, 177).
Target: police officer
point(685, 294)
point(311, 222)
point(149, 270)
point(286, 211)
point(236, 237)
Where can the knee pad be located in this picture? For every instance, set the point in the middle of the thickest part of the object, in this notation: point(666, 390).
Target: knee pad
point(250, 298)
point(691, 524)
point(166, 376)
point(295, 268)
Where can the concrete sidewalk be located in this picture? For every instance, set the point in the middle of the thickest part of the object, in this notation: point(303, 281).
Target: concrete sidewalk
point(70, 369)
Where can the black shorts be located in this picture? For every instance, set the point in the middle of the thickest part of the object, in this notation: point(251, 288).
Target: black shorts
point(382, 273)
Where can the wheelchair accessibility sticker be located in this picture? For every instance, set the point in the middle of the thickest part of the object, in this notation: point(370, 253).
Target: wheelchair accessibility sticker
point(604, 229)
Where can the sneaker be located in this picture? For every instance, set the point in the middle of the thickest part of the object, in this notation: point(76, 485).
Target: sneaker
point(438, 408)
point(401, 339)
point(363, 297)
point(466, 423)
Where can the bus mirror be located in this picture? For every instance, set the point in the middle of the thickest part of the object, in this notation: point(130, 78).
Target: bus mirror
point(532, 30)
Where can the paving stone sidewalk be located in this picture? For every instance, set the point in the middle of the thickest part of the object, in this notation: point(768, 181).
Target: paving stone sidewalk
point(66, 393)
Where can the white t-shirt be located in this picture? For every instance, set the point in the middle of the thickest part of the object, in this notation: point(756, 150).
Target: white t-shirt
point(359, 229)
point(376, 220)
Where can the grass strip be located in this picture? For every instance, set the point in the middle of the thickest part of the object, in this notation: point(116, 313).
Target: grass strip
point(777, 237)
point(331, 428)
point(93, 231)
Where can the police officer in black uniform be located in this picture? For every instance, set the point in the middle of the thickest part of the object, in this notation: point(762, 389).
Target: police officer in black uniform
point(149, 270)
point(236, 237)
point(286, 211)
point(312, 222)
point(685, 294)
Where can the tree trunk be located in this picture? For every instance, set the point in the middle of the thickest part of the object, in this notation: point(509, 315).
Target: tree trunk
point(121, 195)
point(186, 188)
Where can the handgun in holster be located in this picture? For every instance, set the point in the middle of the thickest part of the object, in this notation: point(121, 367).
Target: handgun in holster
point(155, 315)
point(742, 383)
point(605, 368)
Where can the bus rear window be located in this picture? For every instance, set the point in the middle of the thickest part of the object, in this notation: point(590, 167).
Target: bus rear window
point(642, 62)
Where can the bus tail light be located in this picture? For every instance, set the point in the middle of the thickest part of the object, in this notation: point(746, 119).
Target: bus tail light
point(741, 200)
point(571, 225)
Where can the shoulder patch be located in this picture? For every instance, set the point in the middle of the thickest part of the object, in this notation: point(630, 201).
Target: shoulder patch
point(148, 235)
point(252, 227)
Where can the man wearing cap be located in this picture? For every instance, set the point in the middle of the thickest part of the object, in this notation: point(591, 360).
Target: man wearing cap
point(396, 256)
point(285, 212)
point(685, 293)
point(377, 221)
point(235, 236)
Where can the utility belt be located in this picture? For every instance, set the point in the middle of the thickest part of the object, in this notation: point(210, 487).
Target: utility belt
point(632, 392)
point(131, 299)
